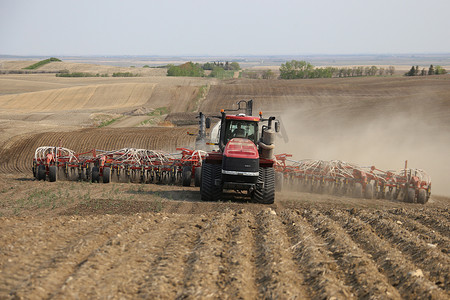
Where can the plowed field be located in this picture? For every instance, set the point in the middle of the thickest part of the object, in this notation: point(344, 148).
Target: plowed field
point(80, 240)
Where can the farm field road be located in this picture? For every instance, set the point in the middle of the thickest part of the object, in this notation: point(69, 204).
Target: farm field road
point(82, 240)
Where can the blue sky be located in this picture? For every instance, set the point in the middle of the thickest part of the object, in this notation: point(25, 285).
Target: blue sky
point(200, 27)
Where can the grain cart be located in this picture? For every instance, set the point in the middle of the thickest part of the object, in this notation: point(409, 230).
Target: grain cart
point(244, 160)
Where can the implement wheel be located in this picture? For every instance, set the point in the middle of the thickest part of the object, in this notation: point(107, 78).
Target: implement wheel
point(357, 190)
point(279, 181)
point(52, 170)
point(187, 176)
point(41, 172)
point(95, 175)
point(411, 195)
point(106, 175)
point(368, 193)
point(422, 197)
point(198, 176)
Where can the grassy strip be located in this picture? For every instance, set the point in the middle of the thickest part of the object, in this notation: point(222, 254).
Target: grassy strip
point(80, 74)
point(155, 116)
point(124, 74)
point(108, 122)
point(202, 92)
point(41, 63)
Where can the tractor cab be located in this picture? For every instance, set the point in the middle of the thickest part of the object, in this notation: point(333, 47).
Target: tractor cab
point(241, 126)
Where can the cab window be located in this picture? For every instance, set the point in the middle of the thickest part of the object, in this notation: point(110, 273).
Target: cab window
point(241, 129)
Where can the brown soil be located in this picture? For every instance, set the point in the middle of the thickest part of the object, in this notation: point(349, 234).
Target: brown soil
point(82, 240)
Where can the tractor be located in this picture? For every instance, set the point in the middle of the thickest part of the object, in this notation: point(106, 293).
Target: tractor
point(244, 160)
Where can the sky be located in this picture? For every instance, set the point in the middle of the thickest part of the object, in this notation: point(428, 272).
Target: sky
point(228, 28)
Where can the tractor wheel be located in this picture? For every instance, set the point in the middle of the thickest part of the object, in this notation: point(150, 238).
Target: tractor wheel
point(266, 195)
point(106, 175)
point(208, 189)
point(422, 197)
point(198, 176)
point(187, 176)
point(41, 172)
point(368, 193)
point(95, 174)
point(411, 195)
point(278, 181)
point(52, 170)
point(357, 190)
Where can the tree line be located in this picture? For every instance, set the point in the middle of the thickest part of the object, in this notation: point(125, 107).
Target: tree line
point(217, 69)
point(302, 69)
point(432, 70)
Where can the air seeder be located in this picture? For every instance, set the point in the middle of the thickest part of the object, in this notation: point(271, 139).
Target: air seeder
point(124, 165)
point(341, 178)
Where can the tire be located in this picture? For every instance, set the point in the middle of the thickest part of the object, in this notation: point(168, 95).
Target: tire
point(357, 190)
point(368, 193)
point(95, 174)
point(52, 170)
point(106, 175)
point(187, 176)
point(41, 172)
point(208, 189)
point(422, 197)
point(411, 195)
point(278, 181)
point(198, 176)
point(266, 195)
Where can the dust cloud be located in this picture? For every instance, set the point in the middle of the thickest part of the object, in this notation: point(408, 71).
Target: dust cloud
point(372, 132)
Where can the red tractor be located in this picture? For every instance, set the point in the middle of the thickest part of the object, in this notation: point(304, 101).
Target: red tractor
point(244, 160)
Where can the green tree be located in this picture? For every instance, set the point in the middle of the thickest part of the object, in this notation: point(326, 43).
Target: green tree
point(431, 70)
point(187, 69)
point(411, 72)
point(391, 70)
point(268, 74)
point(296, 69)
point(440, 70)
point(235, 66)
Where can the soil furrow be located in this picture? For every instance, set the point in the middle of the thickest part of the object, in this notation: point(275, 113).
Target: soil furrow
point(314, 262)
point(163, 276)
point(41, 274)
point(429, 219)
point(358, 266)
point(434, 262)
point(237, 275)
point(277, 272)
point(121, 266)
point(401, 273)
point(206, 260)
point(425, 233)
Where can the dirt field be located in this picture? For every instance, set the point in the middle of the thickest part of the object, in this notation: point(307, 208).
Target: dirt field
point(81, 240)
point(84, 240)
